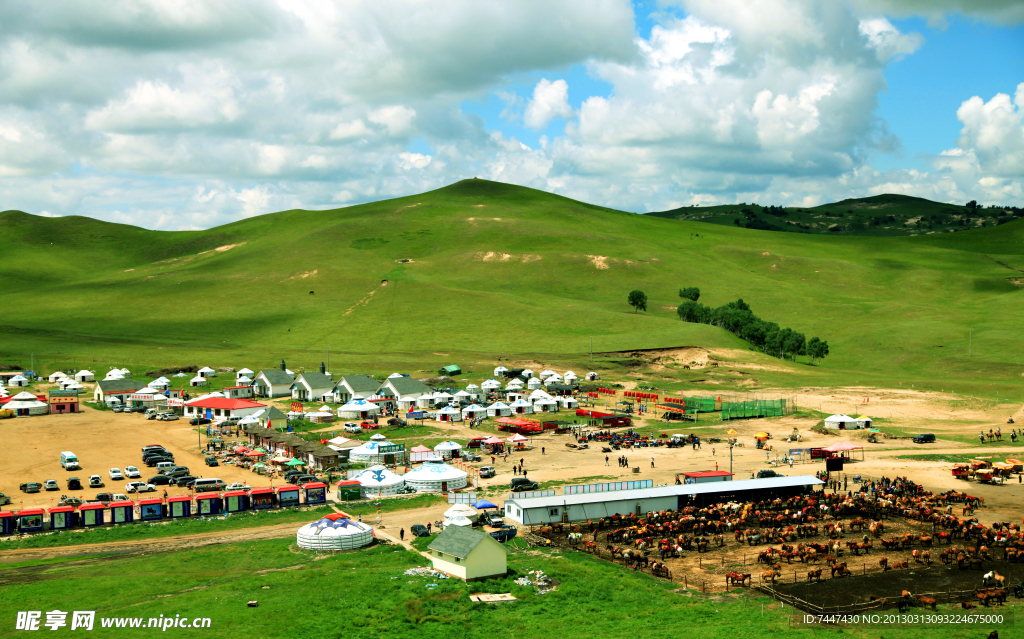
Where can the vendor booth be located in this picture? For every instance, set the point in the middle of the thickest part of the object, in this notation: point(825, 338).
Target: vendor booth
point(288, 496)
point(262, 499)
point(208, 504)
point(349, 490)
point(122, 512)
point(151, 509)
point(6, 522)
point(179, 506)
point(236, 501)
point(315, 493)
point(421, 453)
point(90, 515)
point(63, 517)
point(31, 520)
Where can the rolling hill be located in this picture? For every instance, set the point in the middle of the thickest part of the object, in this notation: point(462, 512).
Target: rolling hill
point(480, 269)
point(877, 216)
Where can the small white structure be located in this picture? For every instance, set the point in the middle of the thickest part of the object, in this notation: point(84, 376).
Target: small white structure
point(85, 376)
point(547, 373)
point(515, 384)
point(468, 554)
point(527, 374)
point(334, 532)
point(474, 391)
point(841, 422)
point(371, 453)
point(521, 407)
point(569, 377)
point(421, 454)
point(18, 381)
point(197, 381)
point(114, 375)
point(25, 404)
point(245, 372)
point(433, 477)
point(447, 450)
point(490, 385)
point(378, 481)
point(498, 409)
point(568, 402)
point(56, 376)
point(592, 376)
point(863, 422)
point(473, 411)
point(463, 397)
point(449, 414)
point(553, 379)
point(499, 371)
point(460, 515)
point(161, 383)
point(425, 401)
point(358, 408)
point(534, 383)
point(206, 371)
point(545, 405)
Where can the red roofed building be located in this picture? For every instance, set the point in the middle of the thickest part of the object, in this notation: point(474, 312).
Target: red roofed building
point(705, 476)
point(221, 408)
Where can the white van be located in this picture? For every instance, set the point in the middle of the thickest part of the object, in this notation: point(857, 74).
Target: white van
point(163, 467)
point(69, 461)
point(212, 485)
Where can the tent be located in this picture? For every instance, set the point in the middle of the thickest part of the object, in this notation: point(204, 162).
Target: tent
point(842, 446)
point(521, 407)
point(526, 373)
point(435, 477)
point(58, 375)
point(545, 405)
point(517, 439)
point(863, 422)
point(568, 402)
point(441, 397)
point(534, 383)
point(377, 481)
point(569, 377)
point(378, 438)
point(25, 404)
point(515, 384)
point(448, 449)
point(841, 422)
point(370, 452)
point(243, 381)
point(334, 532)
point(458, 521)
point(591, 376)
point(85, 376)
point(490, 385)
point(197, 381)
point(483, 504)
point(499, 371)
point(395, 375)
point(358, 409)
point(547, 373)
point(473, 411)
point(492, 440)
point(553, 379)
point(206, 371)
point(245, 372)
point(459, 515)
point(498, 409)
point(421, 453)
point(463, 397)
point(449, 414)
point(294, 462)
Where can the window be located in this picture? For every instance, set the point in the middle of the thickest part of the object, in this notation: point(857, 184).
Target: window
point(457, 560)
point(553, 512)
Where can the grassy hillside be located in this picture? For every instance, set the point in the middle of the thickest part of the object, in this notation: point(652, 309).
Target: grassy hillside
point(494, 269)
point(877, 216)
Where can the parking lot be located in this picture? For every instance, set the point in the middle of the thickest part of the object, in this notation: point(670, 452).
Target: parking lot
point(101, 440)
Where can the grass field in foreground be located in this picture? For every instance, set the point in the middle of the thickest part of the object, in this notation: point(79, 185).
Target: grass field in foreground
point(480, 269)
point(366, 593)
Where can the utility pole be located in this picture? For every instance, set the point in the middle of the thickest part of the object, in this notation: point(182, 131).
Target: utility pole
point(970, 344)
point(730, 457)
point(591, 349)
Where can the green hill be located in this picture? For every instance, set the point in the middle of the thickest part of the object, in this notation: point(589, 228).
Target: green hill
point(480, 269)
point(877, 216)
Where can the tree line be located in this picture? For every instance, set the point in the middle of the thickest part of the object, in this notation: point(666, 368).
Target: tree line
point(737, 318)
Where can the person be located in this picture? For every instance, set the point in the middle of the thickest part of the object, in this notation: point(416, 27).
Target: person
point(401, 534)
point(652, 463)
point(712, 452)
point(716, 465)
point(790, 462)
point(541, 450)
point(428, 527)
point(606, 460)
point(165, 493)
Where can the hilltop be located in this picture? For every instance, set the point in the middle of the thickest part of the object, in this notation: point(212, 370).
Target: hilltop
point(480, 269)
point(886, 215)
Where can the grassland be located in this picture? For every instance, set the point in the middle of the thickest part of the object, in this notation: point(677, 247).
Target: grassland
point(496, 269)
point(366, 592)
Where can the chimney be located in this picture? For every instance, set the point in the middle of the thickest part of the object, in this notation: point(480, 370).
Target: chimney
point(282, 365)
point(323, 369)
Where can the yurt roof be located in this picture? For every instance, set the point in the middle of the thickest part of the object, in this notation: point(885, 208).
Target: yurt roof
point(243, 380)
point(198, 378)
point(206, 369)
point(448, 446)
point(457, 521)
point(462, 393)
point(433, 471)
point(358, 405)
point(370, 448)
point(473, 407)
point(378, 437)
point(544, 400)
point(491, 382)
point(461, 510)
point(244, 371)
point(421, 449)
point(568, 373)
point(471, 386)
point(548, 371)
point(497, 405)
point(340, 526)
point(442, 395)
point(517, 438)
point(520, 402)
point(450, 410)
point(378, 476)
point(84, 372)
point(394, 375)
point(24, 396)
point(500, 369)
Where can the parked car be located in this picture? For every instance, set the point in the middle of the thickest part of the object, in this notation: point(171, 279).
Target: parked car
point(95, 481)
point(71, 501)
point(762, 474)
point(394, 421)
point(177, 471)
point(184, 481)
point(4, 499)
point(154, 461)
point(159, 480)
point(151, 447)
point(352, 427)
point(51, 484)
point(419, 530)
point(924, 438)
point(74, 483)
point(198, 421)
point(106, 498)
point(168, 417)
point(238, 486)
point(212, 461)
point(139, 487)
point(495, 520)
point(298, 480)
point(131, 472)
point(116, 474)
point(120, 497)
point(522, 483)
point(116, 409)
point(31, 487)
point(150, 415)
point(291, 473)
point(471, 457)
point(486, 471)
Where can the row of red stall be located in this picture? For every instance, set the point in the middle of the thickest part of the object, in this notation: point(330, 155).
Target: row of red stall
point(95, 514)
point(640, 395)
point(606, 391)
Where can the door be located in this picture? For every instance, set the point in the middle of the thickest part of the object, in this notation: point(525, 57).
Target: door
point(444, 487)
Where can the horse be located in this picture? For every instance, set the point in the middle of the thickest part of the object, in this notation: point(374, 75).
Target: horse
point(927, 601)
point(769, 575)
point(814, 575)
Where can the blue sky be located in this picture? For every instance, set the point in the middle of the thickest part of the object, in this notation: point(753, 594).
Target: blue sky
point(141, 112)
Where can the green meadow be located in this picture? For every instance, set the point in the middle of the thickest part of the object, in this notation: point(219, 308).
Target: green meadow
point(478, 270)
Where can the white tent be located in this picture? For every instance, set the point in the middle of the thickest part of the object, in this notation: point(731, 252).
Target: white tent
point(435, 477)
point(545, 405)
point(490, 385)
point(863, 422)
point(449, 414)
point(473, 411)
point(515, 384)
point(161, 384)
point(248, 419)
point(448, 449)
point(378, 438)
point(521, 407)
point(569, 377)
point(425, 401)
point(498, 409)
point(517, 439)
point(197, 381)
point(370, 452)
point(58, 375)
point(553, 379)
point(113, 375)
point(206, 371)
point(841, 422)
point(457, 521)
point(85, 376)
point(180, 375)
point(245, 372)
point(358, 409)
point(126, 372)
point(70, 384)
point(19, 381)
point(568, 403)
point(4, 393)
point(459, 515)
point(547, 373)
point(378, 481)
point(473, 390)
point(334, 532)
point(526, 374)
point(394, 375)
point(441, 398)
point(463, 397)
point(591, 376)
point(243, 380)
point(25, 404)
point(499, 371)
point(534, 383)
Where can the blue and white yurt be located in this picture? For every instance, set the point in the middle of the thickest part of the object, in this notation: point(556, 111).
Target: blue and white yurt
point(473, 411)
point(358, 408)
point(499, 371)
point(490, 386)
point(521, 407)
point(534, 383)
point(434, 477)
point(498, 409)
point(369, 453)
point(334, 532)
point(474, 391)
point(447, 450)
point(449, 414)
point(378, 481)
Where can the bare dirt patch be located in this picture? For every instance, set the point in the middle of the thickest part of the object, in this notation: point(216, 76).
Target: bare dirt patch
point(221, 249)
point(304, 275)
point(600, 262)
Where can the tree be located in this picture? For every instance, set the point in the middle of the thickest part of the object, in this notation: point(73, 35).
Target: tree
point(638, 300)
point(690, 293)
point(817, 349)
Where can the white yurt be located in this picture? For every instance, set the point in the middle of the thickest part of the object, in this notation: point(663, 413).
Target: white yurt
point(248, 419)
point(69, 384)
point(498, 409)
point(56, 376)
point(433, 477)
point(378, 481)
point(499, 371)
point(379, 437)
point(568, 403)
point(463, 397)
point(243, 381)
point(449, 414)
point(534, 383)
point(547, 373)
point(25, 404)
point(521, 407)
point(441, 398)
point(447, 450)
point(180, 375)
point(569, 377)
point(473, 411)
point(490, 385)
point(840, 421)
point(394, 375)
point(126, 372)
point(459, 515)
point(206, 371)
point(369, 453)
point(591, 376)
point(245, 372)
point(197, 381)
point(160, 384)
point(457, 521)
point(515, 384)
point(545, 405)
point(425, 401)
point(113, 375)
point(334, 532)
point(4, 393)
point(358, 408)
point(85, 376)
point(473, 390)
point(553, 379)
point(526, 374)
point(18, 381)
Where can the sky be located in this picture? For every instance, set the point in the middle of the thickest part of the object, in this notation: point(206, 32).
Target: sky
point(180, 114)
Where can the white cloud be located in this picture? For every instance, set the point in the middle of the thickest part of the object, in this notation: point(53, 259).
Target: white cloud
point(413, 160)
point(994, 132)
point(550, 101)
point(347, 130)
point(396, 120)
point(887, 40)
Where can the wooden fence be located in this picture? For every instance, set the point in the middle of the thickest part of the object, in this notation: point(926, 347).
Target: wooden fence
point(944, 597)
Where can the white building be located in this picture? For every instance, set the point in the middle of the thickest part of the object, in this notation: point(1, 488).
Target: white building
point(468, 554)
point(219, 408)
point(434, 477)
point(404, 391)
point(312, 387)
point(85, 376)
point(351, 385)
point(273, 382)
